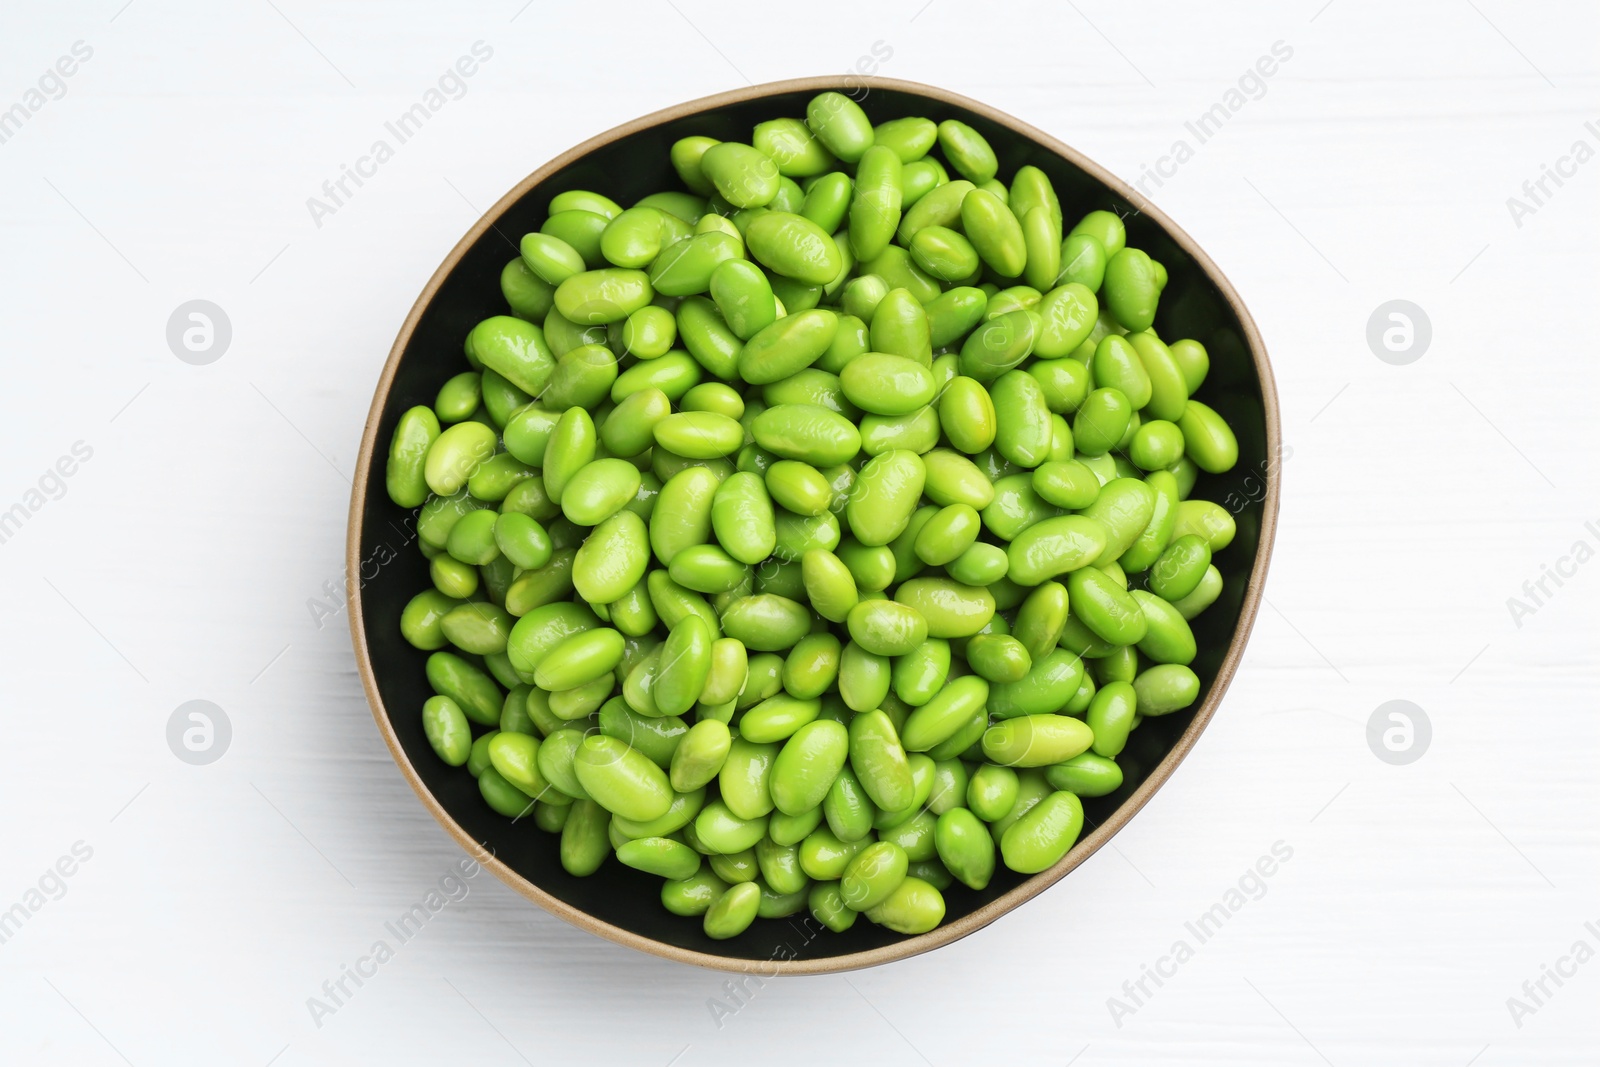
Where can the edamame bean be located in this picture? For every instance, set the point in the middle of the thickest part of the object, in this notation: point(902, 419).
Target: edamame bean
point(1106, 227)
point(741, 174)
point(736, 868)
point(1055, 546)
point(1116, 365)
point(1023, 431)
point(910, 138)
point(828, 200)
point(824, 857)
point(1165, 688)
point(479, 628)
point(1105, 607)
point(597, 491)
point(967, 151)
point(612, 559)
point(790, 145)
point(515, 757)
point(995, 232)
point(790, 344)
point(812, 666)
point(875, 207)
point(789, 830)
point(1123, 508)
point(953, 313)
point(884, 495)
point(579, 659)
point(1110, 715)
point(685, 666)
point(998, 658)
point(840, 124)
point(948, 608)
point(873, 874)
point(733, 911)
point(886, 627)
point(1047, 687)
point(887, 384)
point(944, 253)
point(660, 856)
point(501, 796)
point(1180, 567)
point(1192, 360)
point(744, 296)
point(685, 267)
point(795, 247)
point(621, 779)
point(916, 433)
point(850, 813)
point(680, 813)
point(456, 453)
point(1083, 261)
point(445, 726)
point(946, 713)
point(915, 907)
point(807, 765)
point(1040, 838)
point(421, 621)
point(799, 487)
point(780, 866)
point(1131, 289)
point(474, 691)
point(1205, 519)
point(1207, 439)
point(725, 832)
point(828, 907)
point(1036, 740)
point(1101, 421)
point(965, 847)
point(682, 515)
point(999, 345)
point(1167, 638)
point(414, 436)
point(699, 434)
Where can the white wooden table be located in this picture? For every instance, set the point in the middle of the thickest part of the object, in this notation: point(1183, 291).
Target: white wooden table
point(203, 520)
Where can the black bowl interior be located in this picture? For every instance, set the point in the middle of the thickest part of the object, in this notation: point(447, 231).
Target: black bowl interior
point(626, 169)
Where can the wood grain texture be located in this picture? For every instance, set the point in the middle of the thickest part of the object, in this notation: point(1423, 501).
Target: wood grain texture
point(178, 561)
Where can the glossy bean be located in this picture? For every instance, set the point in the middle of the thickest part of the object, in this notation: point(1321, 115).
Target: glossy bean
point(1039, 839)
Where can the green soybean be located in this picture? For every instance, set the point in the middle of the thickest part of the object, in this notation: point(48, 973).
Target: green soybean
point(733, 912)
point(967, 151)
point(840, 124)
point(445, 726)
point(1039, 839)
point(831, 520)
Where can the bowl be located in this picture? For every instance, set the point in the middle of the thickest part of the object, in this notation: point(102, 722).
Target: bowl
point(385, 569)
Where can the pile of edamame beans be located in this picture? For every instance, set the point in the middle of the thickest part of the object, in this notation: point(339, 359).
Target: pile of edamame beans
point(814, 535)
